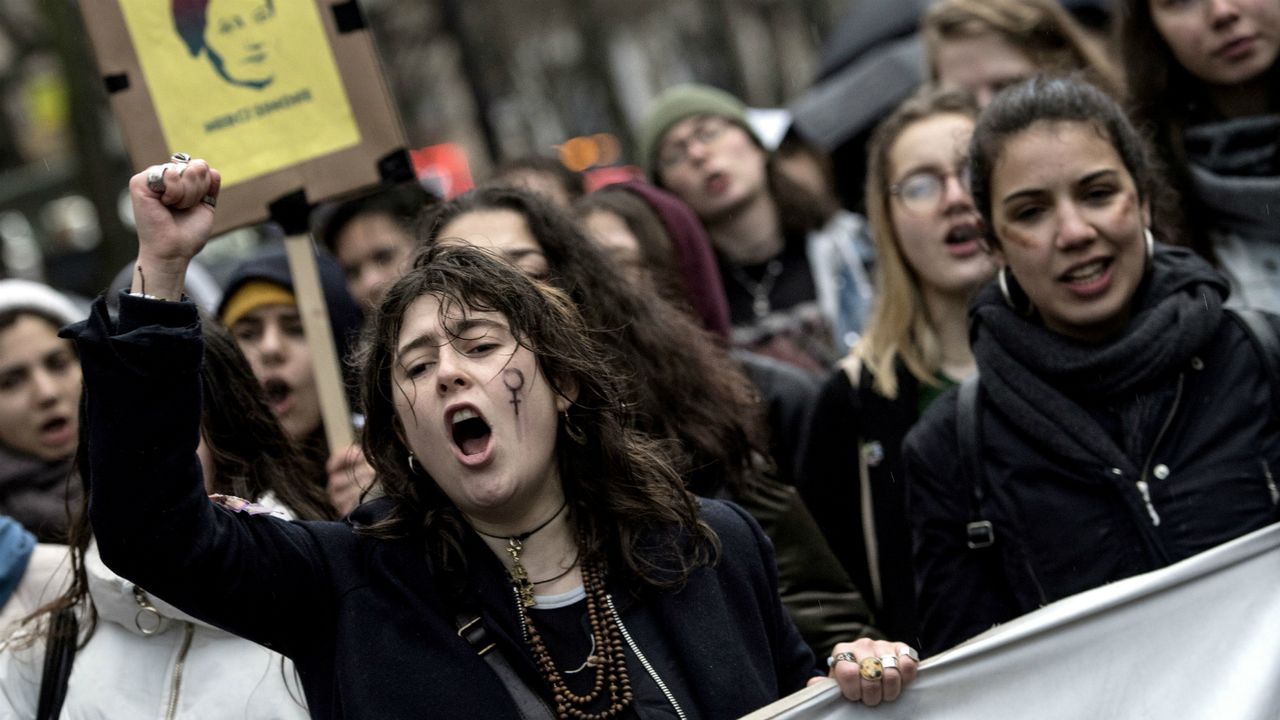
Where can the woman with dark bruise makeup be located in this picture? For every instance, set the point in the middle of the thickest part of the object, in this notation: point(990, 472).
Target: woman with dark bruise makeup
point(532, 556)
point(1122, 419)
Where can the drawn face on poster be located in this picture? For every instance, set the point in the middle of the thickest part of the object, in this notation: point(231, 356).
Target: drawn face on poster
point(236, 36)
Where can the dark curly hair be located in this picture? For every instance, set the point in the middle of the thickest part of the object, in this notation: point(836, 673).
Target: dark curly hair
point(623, 488)
point(679, 384)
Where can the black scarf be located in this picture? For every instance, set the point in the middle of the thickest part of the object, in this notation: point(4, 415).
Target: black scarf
point(1235, 170)
point(1037, 378)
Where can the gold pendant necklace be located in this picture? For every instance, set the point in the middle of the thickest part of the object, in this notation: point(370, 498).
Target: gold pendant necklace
point(520, 576)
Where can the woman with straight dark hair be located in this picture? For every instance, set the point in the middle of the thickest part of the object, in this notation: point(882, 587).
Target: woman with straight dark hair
point(39, 409)
point(1205, 78)
point(1122, 420)
point(134, 654)
point(533, 555)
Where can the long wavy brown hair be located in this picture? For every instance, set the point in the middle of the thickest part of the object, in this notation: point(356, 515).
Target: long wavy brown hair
point(678, 383)
point(623, 488)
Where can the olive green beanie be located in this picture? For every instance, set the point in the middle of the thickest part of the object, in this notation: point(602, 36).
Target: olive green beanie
point(678, 103)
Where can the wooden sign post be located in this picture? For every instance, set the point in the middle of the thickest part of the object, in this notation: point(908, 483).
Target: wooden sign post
point(284, 97)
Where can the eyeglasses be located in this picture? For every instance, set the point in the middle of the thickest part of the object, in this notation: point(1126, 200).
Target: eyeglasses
point(705, 132)
point(922, 191)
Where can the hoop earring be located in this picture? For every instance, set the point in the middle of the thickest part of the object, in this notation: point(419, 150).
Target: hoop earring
point(573, 431)
point(412, 468)
point(1005, 289)
point(1151, 244)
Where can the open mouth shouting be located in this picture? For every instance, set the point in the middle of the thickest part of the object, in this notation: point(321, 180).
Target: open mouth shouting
point(279, 395)
point(56, 431)
point(471, 436)
point(964, 240)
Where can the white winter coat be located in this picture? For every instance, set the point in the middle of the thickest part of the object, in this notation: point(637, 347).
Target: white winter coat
point(178, 668)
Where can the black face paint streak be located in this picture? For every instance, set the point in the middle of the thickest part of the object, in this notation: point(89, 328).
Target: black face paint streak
point(513, 378)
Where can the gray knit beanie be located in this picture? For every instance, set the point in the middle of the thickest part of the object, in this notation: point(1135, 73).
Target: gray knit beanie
point(678, 103)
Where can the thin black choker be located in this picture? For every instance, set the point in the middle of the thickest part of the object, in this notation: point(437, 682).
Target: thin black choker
point(567, 570)
point(525, 536)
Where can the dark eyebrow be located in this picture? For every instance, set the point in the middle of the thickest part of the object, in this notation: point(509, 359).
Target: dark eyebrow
point(1095, 175)
point(458, 329)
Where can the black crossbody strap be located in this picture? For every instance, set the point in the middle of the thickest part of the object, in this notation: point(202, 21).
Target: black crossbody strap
point(59, 654)
point(980, 533)
point(528, 703)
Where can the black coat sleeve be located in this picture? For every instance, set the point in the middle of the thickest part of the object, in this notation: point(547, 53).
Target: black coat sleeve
point(792, 659)
point(828, 479)
point(961, 591)
point(256, 576)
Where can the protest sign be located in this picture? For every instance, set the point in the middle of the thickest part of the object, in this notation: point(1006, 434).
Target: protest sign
point(285, 99)
point(281, 97)
point(1194, 641)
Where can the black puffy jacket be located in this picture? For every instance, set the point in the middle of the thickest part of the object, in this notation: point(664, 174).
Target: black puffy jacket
point(1062, 526)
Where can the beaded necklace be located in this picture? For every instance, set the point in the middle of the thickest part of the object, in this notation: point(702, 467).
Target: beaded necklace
point(609, 655)
point(610, 664)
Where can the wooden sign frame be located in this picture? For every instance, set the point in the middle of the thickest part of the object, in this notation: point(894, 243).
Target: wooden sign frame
point(350, 94)
point(378, 157)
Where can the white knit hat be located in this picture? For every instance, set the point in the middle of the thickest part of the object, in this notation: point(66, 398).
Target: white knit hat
point(39, 298)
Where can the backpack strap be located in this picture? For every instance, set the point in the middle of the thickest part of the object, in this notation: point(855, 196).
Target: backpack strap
point(59, 654)
point(529, 704)
point(1264, 338)
point(980, 533)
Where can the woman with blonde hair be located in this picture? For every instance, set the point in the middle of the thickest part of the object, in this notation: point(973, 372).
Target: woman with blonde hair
point(932, 260)
point(984, 46)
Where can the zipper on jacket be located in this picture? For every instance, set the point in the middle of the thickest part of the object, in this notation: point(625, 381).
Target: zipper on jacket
point(1143, 487)
point(643, 660)
point(1146, 498)
point(175, 686)
point(1271, 482)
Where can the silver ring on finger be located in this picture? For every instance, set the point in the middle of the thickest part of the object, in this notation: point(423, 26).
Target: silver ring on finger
point(180, 157)
point(889, 662)
point(210, 200)
point(909, 652)
point(839, 657)
point(155, 179)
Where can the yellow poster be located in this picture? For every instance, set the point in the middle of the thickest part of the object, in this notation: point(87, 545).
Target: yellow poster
point(249, 85)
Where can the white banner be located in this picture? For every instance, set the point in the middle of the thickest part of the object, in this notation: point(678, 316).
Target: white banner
point(1198, 640)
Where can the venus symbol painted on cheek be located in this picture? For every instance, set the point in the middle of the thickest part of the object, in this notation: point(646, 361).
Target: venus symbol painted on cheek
point(513, 379)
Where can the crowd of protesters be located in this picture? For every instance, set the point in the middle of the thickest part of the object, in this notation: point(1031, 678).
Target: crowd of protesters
point(681, 445)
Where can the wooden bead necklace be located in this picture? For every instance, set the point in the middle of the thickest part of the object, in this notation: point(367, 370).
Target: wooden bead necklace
point(610, 663)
